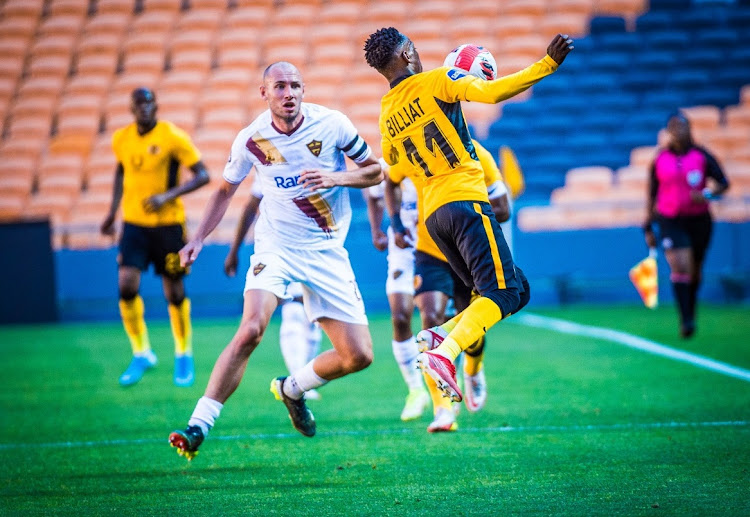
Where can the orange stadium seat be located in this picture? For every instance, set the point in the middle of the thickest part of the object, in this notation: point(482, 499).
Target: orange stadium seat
point(15, 47)
point(468, 30)
point(580, 7)
point(126, 82)
point(331, 34)
point(250, 16)
point(17, 185)
point(738, 116)
point(246, 3)
point(239, 58)
point(386, 13)
point(230, 120)
point(627, 8)
point(335, 53)
point(85, 104)
point(107, 23)
point(118, 7)
point(186, 80)
point(71, 7)
point(199, 60)
point(230, 79)
point(153, 22)
point(703, 118)
point(207, 19)
point(61, 164)
point(632, 176)
point(49, 205)
point(96, 64)
point(535, 8)
point(48, 66)
point(643, 156)
point(98, 44)
point(61, 184)
point(572, 24)
point(53, 45)
point(22, 8)
point(488, 8)
point(591, 179)
point(211, 99)
point(88, 84)
point(18, 26)
point(168, 6)
point(151, 61)
point(21, 147)
point(32, 107)
point(294, 15)
point(439, 11)
point(61, 25)
point(30, 127)
point(11, 206)
point(81, 126)
point(192, 39)
point(726, 139)
point(347, 13)
point(210, 4)
point(295, 53)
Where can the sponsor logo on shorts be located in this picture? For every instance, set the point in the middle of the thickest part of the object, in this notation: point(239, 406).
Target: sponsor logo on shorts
point(258, 268)
point(315, 147)
point(417, 281)
point(397, 274)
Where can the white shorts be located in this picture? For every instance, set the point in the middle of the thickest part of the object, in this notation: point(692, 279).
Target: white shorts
point(400, 268)
point(329, 288)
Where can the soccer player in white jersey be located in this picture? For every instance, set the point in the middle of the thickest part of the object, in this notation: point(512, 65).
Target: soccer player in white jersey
point(298, 150)
point(399, 287)
point(299, 338)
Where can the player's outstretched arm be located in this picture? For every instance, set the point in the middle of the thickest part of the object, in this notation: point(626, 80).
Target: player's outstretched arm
point(200, 178)
point(368, 174)
point(243, 225)
point(392, 194)
point(375, 218)
point(215, 209)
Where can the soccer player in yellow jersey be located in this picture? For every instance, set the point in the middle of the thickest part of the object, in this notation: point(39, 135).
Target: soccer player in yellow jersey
point(147, 182)
point(436, 282)
point(423, 128)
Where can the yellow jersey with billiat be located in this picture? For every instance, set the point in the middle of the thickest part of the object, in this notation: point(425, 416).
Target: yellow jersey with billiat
point(423, 128)
point(151, 165)
point(490, 175)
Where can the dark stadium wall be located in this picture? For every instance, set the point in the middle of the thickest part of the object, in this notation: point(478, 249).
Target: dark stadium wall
point(563, 267)
point(29, 290)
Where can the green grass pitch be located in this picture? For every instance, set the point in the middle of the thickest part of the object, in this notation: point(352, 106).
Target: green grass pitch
point(573, 426)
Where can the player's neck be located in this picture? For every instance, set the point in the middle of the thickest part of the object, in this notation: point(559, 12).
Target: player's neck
point(145, 128)
point(286, 126)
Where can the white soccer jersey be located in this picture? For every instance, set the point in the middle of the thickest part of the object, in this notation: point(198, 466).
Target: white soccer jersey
point(291, 215)
point(408, 210)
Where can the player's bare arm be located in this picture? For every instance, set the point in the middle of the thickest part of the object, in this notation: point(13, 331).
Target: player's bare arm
point(249, 212)
point(200, 178)
point(375, 217)
point(369, 173)
point(108, 225)
point(215, 210)
point(560, 47)
point(501, 208)
point(392, 195)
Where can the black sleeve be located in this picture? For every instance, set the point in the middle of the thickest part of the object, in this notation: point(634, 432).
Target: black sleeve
point(713, 169)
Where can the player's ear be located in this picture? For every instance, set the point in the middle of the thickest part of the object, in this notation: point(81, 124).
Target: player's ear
point(263, 92)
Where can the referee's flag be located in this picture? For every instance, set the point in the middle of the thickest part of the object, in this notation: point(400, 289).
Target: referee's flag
point(645, 279)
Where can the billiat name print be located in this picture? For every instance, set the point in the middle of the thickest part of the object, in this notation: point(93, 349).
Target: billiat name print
point(404, 117)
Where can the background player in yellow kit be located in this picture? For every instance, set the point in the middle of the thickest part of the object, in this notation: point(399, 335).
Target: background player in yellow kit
point(149, 155)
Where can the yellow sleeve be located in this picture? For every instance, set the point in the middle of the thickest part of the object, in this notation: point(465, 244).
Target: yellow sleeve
point(117, 144)
point(397, 173)
point(506, 87)
point(489, 166)
point(512, 172)
point(184, 149)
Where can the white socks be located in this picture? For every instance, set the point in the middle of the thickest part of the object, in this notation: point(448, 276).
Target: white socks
point(205, 413)
point(293, 337)
point(406, 353)
point(303, 380)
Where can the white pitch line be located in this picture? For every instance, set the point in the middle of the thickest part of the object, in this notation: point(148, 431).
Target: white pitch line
point(639, 343)
point(404, 431)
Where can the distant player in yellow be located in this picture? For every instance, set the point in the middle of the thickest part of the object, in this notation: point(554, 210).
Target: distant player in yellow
point(436, 282)
point(149, 155)
point(423, 128)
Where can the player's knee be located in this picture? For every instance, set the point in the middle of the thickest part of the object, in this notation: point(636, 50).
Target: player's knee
point(507, 299)
point(401, 322)
point(175, 299)
point(249, 335)
point(358, 359)
point(432, 318)
point(525, 296)
point(128, 294)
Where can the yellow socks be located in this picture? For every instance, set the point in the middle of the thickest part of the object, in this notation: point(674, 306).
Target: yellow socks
point(473, 357)
point(473, 323)
point(182, 330)
point(132, 312)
